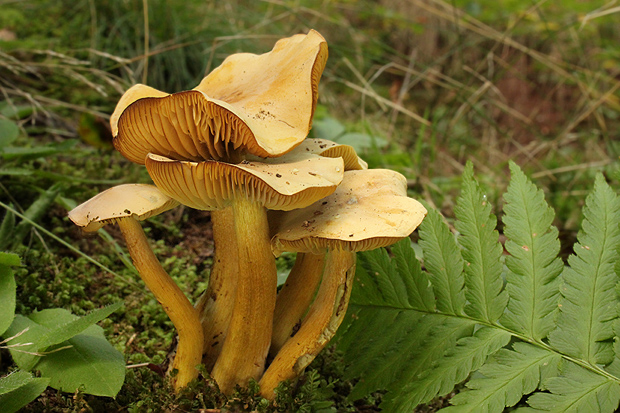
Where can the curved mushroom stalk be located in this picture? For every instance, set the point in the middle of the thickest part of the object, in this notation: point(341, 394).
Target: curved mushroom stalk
point(181, 312)
point(216, 304)
point(127, 205)
point(319, 325)
point(295, 297)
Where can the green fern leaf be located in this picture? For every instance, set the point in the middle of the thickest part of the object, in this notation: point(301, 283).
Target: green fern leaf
point(469, 354)
point(481, 252)
point(504, 379)
point(577, 390)
point(588, 308)
point(442, 259)
point(533, 264)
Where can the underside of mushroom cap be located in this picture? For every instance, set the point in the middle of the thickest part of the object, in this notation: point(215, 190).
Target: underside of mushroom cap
point(257, 104)
point(368, 210)
point(295, 181)
point(139, 201)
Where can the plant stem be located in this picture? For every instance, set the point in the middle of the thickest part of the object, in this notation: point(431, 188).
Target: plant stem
point(216, 304)
point(295, 297)
point(176, 305)
point(319, 325)
point(249, 334)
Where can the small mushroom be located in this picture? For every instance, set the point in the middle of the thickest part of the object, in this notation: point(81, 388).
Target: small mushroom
point(127, 205)
point(300, 287)
point(368, 210)
point(291, 181)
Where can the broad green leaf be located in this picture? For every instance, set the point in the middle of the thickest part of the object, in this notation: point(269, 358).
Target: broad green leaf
point(8, 290)
point(577, 390)
point(18, 398)
point(46, 328)
point(481, 251)
point(63, 325)
point(505, 378)
point(14, 381)
point(454, 367)
point(9, 259)
point(443, 261)
point(588, 307)
point(533, 263)
point(9, 131)
point(91, 363)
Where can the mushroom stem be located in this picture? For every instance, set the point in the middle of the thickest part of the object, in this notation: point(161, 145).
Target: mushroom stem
point(319, 325)
point(216, 304)
point(249, 334)
point(295, 298)
point(176, 305)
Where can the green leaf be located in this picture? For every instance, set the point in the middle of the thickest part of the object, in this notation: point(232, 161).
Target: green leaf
point(8, 290)
point(442, 259)
point(24, 153)
point(14, 381)
point(35, 212)
point(9, 259)
point(481, 252)
point(577, 390)
point(9, 131)
point(504, 379)
point(533, 263)
point(6, 229)
point(468, 355)
point(63, 325)
point(588, 307)
point(28, 391)
point(24, 332)
point(90, 363)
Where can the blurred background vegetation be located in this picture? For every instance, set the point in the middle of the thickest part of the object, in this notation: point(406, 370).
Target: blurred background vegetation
point(420, 86)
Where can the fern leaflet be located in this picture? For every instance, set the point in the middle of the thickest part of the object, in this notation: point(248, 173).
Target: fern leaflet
point(481, 252)
point(588, 308)
point(533, 264)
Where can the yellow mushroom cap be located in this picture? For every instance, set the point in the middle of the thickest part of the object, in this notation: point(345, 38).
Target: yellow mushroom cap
point(368, 210)
point(257, 104)
point(139, 201)
point(294, 180)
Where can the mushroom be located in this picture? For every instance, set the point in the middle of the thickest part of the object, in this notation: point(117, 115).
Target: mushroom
point(368, 210)
point(127, 205)
point(299, 290)
point(291, 181)
point(251, 107)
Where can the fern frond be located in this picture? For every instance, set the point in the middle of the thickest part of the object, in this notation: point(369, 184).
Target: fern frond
point(468, 355)
point(588, 308)
point(481, 252)
point(443, 261)
point(533, 264)
point(505, 378)
point(577, 390)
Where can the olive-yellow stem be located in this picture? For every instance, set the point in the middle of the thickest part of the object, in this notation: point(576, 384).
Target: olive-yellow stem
point(319, 325)
point(249, 334)
point(216, 304)
point(295, 297)
point(181, 312)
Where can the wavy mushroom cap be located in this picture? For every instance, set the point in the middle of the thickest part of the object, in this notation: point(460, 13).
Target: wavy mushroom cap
point(332, 149)
point(139, 201)
point(257, 104)
point(368, 210)
point(294, 180)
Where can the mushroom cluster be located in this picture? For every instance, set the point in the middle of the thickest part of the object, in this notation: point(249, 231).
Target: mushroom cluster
point(236, 146)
